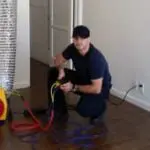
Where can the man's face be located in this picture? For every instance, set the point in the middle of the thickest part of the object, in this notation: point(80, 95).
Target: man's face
point(81, 44)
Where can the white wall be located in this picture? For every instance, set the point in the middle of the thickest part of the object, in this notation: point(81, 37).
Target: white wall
point(121, 30)
point(39, 30)
point(22, 77)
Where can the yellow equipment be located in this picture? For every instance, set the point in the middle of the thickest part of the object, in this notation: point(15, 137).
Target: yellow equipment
point(3, 106)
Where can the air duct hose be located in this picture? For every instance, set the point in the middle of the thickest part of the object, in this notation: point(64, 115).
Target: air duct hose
point(8, 21)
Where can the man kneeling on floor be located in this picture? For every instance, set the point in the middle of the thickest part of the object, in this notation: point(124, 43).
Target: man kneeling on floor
point(91, 78)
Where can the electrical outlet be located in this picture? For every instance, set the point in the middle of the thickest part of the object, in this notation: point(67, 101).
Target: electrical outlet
point(141, 87)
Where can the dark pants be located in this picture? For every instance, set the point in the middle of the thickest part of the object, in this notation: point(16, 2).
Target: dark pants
point(89, 105)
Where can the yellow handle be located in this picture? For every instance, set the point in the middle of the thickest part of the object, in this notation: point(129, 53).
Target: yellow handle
point(57, 83)
point(4, 101)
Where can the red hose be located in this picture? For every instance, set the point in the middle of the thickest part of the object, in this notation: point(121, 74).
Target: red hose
point(21, 126)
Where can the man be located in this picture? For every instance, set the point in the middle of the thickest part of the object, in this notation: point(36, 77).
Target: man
point(91, 77)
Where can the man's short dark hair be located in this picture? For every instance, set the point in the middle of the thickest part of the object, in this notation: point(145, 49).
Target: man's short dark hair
point(81, 31)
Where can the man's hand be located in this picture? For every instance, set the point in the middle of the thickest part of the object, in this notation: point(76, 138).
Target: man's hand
point(59, 60)
point(67, 87)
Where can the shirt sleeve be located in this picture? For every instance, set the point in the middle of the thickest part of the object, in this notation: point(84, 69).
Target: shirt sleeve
point(97, 68)
point(67, 53)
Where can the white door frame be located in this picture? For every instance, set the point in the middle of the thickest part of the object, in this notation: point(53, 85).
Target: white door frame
point(78, 12)
point(77, 7)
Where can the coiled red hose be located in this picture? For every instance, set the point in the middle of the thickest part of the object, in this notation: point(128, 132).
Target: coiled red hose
point(22, 126)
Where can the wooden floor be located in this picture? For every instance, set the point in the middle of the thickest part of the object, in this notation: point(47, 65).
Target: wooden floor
point(127, 126)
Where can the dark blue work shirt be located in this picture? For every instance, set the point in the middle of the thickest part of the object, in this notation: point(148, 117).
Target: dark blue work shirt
point(91, 66)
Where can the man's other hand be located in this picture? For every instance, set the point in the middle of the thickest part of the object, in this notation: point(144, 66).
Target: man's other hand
point(67, 87)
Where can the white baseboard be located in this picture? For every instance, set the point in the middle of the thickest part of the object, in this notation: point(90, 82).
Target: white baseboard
point(21, 85)
point(131, 99)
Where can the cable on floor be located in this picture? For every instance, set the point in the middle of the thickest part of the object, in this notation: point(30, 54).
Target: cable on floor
point(124, 98)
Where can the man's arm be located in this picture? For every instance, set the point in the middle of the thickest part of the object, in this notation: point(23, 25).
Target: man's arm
point(94, 88)
point(96, 70)
point(61, 58)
